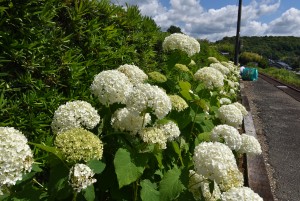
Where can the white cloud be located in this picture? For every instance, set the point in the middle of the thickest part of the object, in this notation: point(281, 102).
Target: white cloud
point(267, 6)
point(152, 8)
point(287, 24)
point(214, 24)
point(254, 28)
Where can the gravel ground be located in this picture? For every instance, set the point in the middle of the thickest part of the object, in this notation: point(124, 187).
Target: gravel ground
point(276, 118)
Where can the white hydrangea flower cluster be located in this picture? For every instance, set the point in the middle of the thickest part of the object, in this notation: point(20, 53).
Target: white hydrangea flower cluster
point(199, 186)
point(78, 144)
point(213, 60)
point(229, 134)
point(145, 96)
point(232, 91)
point(224, 101)
point(230, 115)
point(126, 120)
point(81, 176)
point(111, 86)
point(154, 135)
point(74, 114)
point(178, 103)
point(160, 134)
point(210, 77)
point(231, 84)
point(182, 42)
point(134, 73)
point(182, 67)
point(241, 194)
point(229, 65)
point(241, 108)
point(224, 70)
point(157, 77)
point(216, 162)
point(234, 85)
point(16, 157)
point(234, 178)
point(250, 145)
point(171, 130)
point(234, 74)
point(237, 85)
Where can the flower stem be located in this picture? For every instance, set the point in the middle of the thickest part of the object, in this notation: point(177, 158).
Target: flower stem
point(74, 196)
point(194, 120)
point(39, 184)
point(135, 188)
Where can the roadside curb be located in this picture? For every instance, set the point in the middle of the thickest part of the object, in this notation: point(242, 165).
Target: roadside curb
point(256, 172)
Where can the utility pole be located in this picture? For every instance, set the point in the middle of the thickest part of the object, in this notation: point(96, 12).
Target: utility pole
point(237, 38)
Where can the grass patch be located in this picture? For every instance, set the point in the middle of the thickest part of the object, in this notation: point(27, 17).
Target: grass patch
point(285, 76)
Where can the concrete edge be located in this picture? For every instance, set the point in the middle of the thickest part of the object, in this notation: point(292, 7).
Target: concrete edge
point(256, 172)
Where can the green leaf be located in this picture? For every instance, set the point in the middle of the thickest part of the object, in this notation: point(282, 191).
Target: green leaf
point(177, 150)
point(58, 185)
point(96, 166)
point(186, 86)
point(28, 192)
point(197, 117)
point(159, 158)
point(52, 150)
point(89, 193)
point(203, 104)
point(36, 168)
point(186, 94)
point(200, 87)
point(184, 118)
point(127, 172)
point(202, 137)
point(170, 185)
point(207, 125)
point(148, 191)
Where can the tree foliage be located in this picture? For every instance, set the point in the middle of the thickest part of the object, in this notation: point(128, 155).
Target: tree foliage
point(284, 48)
point(249, 57)
point(174, 29)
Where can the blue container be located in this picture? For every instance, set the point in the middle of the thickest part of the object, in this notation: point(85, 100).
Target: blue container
point(250, 74)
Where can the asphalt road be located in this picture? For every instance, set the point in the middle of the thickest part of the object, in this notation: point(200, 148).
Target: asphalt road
point(276, 118)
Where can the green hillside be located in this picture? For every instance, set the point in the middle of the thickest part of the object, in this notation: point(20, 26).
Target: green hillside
point(284, 48)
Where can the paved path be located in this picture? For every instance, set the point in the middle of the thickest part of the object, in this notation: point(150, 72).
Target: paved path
point(276, 118)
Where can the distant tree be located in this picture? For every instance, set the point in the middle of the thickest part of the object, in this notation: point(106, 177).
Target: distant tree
point(250, 57)
point(173, 29)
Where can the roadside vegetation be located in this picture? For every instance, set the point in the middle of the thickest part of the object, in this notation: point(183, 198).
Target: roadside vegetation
point(285, 76)
point(276, 48)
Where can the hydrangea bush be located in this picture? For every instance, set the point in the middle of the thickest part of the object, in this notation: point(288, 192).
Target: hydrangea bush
point(176, 127)
point(16, 157)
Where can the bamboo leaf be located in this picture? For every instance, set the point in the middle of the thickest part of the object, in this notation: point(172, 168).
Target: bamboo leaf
point(46, 148)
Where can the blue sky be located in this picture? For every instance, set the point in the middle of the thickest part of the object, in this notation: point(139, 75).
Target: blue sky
point(215, 19)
